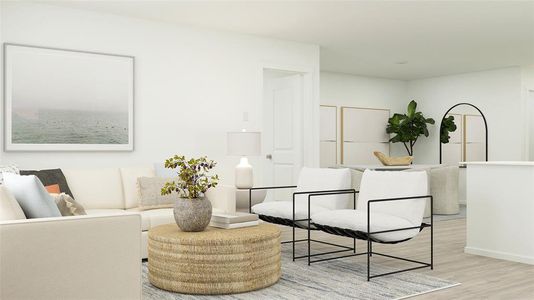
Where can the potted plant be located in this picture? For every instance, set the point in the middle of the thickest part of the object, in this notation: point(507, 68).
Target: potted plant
point(192, 210)
point(408, 127)
point(447, 126)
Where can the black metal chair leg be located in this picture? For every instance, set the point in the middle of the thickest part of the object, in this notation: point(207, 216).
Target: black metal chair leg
point(368, 259)
point(432, 233)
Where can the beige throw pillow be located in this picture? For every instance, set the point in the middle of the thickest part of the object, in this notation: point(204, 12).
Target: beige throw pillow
point(149, 193)
point(68, 206)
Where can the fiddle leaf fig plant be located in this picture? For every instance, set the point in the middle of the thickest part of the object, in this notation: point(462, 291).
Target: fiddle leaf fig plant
point(193, 174)
point(407, 128)
point(447, 126)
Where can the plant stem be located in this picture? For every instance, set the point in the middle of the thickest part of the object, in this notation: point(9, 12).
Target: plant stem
point(407, 150)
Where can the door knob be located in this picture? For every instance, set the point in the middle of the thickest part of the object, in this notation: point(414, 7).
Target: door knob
point(269, 156)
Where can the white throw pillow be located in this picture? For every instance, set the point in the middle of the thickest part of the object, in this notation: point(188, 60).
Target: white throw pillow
point(8, 169)
point(9, 207)
point(31, 195)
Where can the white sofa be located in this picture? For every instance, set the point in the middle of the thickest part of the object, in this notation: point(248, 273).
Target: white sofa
point(97, 256)
point(112, 191)
point(89, 257)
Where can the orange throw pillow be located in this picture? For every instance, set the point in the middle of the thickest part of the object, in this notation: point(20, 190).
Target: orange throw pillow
point(53, 189)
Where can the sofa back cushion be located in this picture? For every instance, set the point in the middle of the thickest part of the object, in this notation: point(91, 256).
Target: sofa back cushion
point(32, 196)
point(129, 183)
point(96, 188)
point(9, 207)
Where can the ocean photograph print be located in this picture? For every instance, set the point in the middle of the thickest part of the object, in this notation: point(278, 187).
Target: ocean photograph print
point(66, 100)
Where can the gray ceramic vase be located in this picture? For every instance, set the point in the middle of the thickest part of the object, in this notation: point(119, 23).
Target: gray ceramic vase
point(192, 215)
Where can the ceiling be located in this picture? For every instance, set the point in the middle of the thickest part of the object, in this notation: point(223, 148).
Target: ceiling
point(389, 39)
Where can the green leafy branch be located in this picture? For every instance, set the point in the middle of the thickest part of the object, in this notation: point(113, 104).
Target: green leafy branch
point(407, 128)
point(193, 174)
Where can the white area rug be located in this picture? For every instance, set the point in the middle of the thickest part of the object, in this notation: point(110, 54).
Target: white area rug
point(335, 279)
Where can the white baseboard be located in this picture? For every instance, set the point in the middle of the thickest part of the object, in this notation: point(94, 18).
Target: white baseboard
point(500, 255)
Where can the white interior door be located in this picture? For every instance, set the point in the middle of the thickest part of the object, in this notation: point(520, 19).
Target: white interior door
point(282, 138)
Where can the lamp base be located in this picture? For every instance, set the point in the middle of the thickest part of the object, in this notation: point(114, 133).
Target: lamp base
point(243, 174)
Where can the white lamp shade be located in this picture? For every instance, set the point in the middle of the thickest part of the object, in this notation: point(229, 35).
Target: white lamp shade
point(244, 143)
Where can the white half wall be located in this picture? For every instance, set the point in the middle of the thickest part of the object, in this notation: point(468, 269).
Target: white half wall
point(497, 93)
point(364, 92)
point(192, 85)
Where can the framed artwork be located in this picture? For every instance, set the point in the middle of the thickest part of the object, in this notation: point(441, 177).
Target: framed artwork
point(67, 100)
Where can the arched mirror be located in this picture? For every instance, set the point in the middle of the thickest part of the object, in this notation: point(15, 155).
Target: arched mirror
point(463, 135)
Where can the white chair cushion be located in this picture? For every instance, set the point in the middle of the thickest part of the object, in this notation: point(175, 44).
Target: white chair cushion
point(395, 184)
point(319, 179)
point(129, 183)
point(357, 220)
point(9, 207)
point(96, 188)
point(284, 210)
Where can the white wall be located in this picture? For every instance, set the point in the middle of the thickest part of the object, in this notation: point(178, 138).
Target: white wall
point(192, 86)
point(365, 92)
point(497, 93)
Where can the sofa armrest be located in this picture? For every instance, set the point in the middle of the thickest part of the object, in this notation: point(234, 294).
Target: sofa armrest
point(90, 257)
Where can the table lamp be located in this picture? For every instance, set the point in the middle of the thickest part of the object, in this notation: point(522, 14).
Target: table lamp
point(244, 144)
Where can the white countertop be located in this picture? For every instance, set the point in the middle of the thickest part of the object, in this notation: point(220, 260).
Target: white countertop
point(499, 163)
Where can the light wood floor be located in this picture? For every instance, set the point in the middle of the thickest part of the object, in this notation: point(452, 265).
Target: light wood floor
point(480, 277)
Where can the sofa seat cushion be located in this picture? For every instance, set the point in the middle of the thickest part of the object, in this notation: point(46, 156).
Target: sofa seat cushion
point(154, 217)
point(357, 220)
point(284, 210)
point(104, 211)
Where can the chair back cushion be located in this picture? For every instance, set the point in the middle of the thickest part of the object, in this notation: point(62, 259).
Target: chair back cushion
point(96, 188)
point(395, 184)
point(319, 179)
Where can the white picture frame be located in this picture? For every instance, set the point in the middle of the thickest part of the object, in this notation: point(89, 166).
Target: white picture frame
point(67, 100)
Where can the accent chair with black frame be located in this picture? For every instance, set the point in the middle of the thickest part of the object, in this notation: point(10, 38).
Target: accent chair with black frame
point(294, 212)
point(390, 210)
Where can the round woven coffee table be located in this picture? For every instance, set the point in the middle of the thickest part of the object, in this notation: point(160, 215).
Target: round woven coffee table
point(214, 261)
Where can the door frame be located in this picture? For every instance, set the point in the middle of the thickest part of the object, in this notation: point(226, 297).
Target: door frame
point(527, 103)
point(310, 110)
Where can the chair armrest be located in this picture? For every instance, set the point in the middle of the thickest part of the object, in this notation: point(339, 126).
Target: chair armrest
point(397, 199)
point(98, 257)
point(265, 188)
